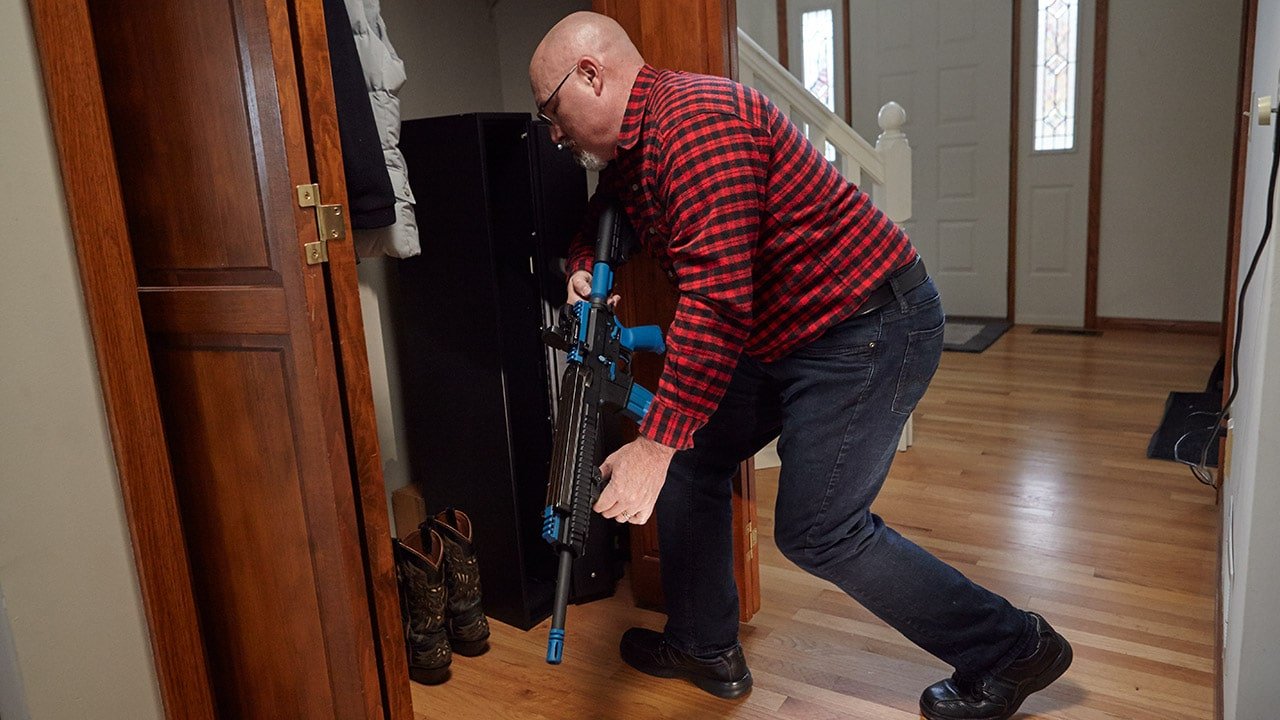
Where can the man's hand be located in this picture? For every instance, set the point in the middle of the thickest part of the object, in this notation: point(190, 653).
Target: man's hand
point(635, 474)
point(580, 288)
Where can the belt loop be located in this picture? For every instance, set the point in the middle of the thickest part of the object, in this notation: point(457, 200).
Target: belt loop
point(895, 285)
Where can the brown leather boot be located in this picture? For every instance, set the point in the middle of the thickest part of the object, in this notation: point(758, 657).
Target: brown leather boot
point(420, 572)
point(467, 627)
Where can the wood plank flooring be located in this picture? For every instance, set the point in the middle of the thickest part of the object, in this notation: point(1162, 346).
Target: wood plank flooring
point(1029, 474)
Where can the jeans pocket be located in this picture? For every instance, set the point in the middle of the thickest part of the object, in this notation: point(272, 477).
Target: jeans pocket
point(924, 349)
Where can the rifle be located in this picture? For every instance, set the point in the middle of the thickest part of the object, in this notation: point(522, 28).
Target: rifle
point(598, 376)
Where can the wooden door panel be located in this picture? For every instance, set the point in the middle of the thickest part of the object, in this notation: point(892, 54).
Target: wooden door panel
point(206, 119)
point(189, 131)
point(235, 463)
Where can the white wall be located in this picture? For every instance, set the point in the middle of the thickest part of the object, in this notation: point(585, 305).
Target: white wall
point(759, 19)
point(460, 56)
point(1252, 498)
point(73, 640)
point(1172, 71)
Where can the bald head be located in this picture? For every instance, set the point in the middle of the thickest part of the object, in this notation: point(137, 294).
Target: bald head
point(585, 33)
point(597, 63)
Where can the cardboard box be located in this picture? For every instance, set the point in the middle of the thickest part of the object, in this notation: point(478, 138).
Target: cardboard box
point(408, 509)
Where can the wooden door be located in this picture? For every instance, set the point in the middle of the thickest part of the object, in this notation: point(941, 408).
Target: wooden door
point(698, 36)
point(210, 138)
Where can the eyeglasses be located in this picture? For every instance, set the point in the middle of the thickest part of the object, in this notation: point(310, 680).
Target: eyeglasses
point(542, 115)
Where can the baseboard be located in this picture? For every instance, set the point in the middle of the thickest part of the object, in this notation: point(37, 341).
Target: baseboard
point(1186, 327)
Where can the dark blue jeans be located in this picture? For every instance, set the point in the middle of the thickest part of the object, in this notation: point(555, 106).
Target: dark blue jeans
point(839, 404)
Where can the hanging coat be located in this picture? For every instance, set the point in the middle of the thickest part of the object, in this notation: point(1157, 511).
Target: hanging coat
point(384, 75)
point(369, 193)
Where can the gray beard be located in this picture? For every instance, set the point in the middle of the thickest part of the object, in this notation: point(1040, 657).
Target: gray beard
point(590, 161)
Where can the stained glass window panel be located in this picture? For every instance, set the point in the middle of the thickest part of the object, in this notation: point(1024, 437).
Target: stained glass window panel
point(818, 28)
point(1056, 45)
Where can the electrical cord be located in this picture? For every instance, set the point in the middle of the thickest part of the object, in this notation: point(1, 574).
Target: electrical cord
point(1201, 469)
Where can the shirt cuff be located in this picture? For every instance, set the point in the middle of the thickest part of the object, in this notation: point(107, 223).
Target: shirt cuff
point(582, 262)
point(669, 426)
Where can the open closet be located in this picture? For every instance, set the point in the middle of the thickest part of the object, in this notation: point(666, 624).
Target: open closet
point(200, 152)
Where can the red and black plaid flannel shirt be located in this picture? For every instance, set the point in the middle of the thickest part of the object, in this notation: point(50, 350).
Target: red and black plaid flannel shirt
point(768, 244)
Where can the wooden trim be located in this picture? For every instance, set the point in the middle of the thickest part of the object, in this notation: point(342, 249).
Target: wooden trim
point(784, 57)
point(1186, 327)
point(1015, 65)
point(1244, 103)
point(388, 670)
point(77, 112)
point(848, 66)
point(730, 29)
point(1095, 162)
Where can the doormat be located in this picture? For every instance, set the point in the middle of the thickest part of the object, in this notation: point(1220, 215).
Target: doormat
point(972, 335)
point(1186, 427)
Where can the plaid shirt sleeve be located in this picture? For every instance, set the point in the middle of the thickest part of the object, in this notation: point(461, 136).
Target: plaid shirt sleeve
point(711, 181)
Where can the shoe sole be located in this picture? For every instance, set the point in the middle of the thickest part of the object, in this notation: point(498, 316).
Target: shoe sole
point(723, 690)
point(469, 648)
point(1025, 690)
point(429, 676)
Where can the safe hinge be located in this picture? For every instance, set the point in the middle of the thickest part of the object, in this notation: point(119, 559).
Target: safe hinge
point(328, 221)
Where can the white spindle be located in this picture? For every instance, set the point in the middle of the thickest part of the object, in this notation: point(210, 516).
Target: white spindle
point(818, 138)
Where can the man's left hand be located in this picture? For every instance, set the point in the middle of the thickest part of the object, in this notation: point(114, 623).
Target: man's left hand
point(635, 473)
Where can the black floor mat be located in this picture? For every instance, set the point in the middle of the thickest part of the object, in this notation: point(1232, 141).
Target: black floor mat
point(1187, 412)
point(972, 334)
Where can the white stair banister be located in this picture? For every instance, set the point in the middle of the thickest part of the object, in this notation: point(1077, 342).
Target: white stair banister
point(893, 193)
point(887, 165)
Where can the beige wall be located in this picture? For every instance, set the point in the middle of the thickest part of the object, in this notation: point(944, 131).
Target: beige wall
point(73, 640)
point(1172, 70)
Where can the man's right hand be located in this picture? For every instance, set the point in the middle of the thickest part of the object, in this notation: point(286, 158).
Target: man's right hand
point(580, 289)
point(579, 286)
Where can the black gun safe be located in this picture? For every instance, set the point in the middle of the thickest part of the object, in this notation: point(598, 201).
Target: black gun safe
point(497, 204)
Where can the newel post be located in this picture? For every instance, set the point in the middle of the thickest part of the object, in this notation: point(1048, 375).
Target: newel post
point(894, 195)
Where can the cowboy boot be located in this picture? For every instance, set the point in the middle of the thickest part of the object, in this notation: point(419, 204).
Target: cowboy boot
point(420, 572)
point(467, 627)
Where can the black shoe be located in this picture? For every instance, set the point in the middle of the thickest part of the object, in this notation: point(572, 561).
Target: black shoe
point(998, 696)
point(725, 675)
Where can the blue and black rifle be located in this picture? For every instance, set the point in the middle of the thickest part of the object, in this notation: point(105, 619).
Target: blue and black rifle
point(597, 378)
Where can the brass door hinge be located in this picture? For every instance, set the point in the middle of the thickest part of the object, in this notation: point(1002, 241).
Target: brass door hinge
point(328, 221)
point(752, 539)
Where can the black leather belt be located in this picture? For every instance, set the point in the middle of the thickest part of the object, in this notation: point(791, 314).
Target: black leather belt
point(900, 282)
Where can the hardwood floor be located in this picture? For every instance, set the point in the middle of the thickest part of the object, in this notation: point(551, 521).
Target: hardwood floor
point(1029, 474)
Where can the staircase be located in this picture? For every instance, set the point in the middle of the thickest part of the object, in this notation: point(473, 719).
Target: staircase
point(885, 167)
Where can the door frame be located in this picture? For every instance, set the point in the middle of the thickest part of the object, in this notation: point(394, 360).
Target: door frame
point(1094, 211)
point(78, 115)
point(96, 214)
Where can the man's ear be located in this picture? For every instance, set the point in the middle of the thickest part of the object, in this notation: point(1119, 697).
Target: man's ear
point(591, 67)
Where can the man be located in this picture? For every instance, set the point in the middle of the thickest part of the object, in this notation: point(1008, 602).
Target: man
point(804, 312)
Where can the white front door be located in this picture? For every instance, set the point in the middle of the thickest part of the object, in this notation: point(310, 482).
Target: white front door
point(947, 62)
point(1053, 184)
